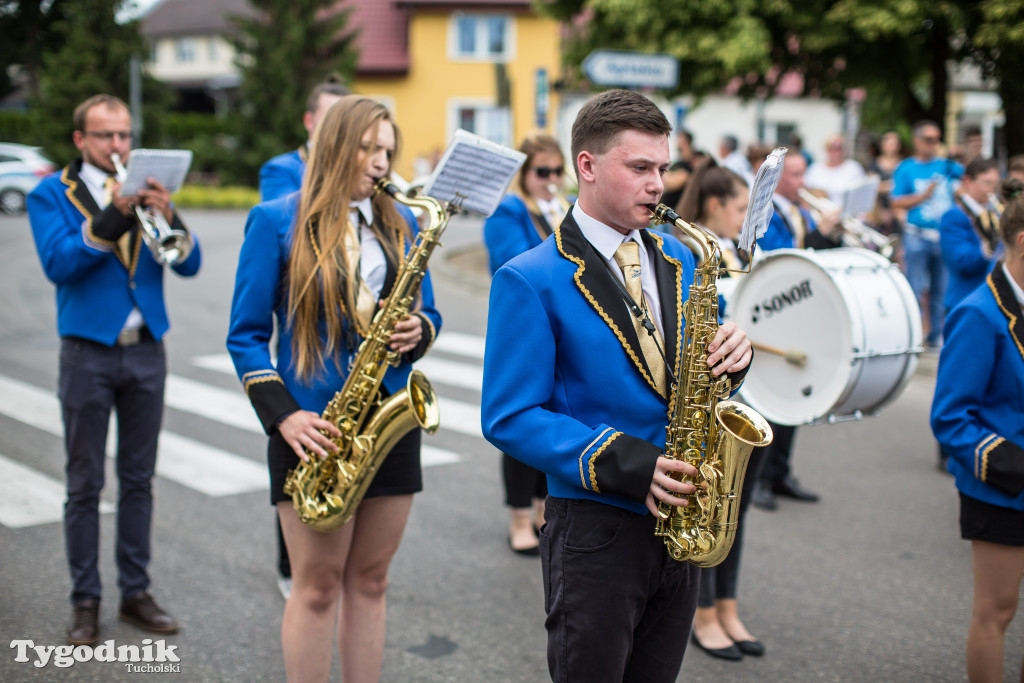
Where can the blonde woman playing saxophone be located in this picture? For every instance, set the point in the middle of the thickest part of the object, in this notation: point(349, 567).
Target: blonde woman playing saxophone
point(317, 262)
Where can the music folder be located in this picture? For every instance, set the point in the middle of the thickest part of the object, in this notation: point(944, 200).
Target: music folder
point(479, 170)
point(169, 166)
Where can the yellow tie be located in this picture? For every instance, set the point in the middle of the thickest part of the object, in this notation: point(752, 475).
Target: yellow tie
point(627, 256)
point(124, 242)
point(108, 190)
point(799, 229)
point(365, 304)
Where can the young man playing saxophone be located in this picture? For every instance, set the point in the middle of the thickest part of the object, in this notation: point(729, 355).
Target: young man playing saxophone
point(570, 390)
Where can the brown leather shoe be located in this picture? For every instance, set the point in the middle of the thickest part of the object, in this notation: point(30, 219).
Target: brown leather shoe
point(143, 611)
point(85, 623)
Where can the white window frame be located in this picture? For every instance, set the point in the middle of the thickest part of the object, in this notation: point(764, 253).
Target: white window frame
point(496, 121)
point(480, 54)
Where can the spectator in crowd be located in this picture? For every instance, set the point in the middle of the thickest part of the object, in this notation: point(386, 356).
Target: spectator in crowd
point(837, 173)
point(731, 158)
point(886, 156)
point(923, 185)
point(1015, 167)
point(680, 170)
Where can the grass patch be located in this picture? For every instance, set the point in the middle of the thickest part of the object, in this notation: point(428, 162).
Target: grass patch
point(209, 197)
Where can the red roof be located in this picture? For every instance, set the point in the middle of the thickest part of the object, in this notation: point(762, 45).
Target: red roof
point(383, 40)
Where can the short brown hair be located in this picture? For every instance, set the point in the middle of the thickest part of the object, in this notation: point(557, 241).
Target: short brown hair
point(96, 100)
point(1011, 223)
point(608, 114)
point(331, 85)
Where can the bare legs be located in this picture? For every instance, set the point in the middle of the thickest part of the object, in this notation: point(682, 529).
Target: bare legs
point(340, 578)
point(523, 523)
point(998, 570)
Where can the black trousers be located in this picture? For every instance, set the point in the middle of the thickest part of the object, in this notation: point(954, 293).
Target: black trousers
point(778, 454)
point(94, 379)
point(522, 483)
point(619, 609)
point(720, 582)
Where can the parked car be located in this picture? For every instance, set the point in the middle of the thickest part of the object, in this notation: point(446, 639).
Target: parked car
point(21, 169)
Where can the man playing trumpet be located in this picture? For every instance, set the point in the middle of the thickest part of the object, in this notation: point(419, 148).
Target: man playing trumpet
point(111, 319)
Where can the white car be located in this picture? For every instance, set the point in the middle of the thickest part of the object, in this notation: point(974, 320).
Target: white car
point(21, 169)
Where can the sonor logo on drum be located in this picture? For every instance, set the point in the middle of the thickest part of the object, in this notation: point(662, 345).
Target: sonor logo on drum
point(777, 303)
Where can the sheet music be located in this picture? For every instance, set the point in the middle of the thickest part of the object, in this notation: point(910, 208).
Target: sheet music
point(860, 198)
point(169, 166)
point(759, 209)
point(476, 168)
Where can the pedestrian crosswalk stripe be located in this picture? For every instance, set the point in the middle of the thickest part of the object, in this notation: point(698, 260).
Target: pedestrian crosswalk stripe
point(469, 345)
point(186, 461)
point(451, 373)
point(227, 407)
point(456, 416)
point(28, 498)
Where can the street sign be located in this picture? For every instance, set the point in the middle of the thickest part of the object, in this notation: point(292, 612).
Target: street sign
point(631, 69)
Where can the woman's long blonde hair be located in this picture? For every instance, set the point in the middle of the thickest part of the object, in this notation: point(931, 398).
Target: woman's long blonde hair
point(321, 291)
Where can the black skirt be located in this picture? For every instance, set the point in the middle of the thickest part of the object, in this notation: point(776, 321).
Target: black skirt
point(399, 474)
point(980, 521)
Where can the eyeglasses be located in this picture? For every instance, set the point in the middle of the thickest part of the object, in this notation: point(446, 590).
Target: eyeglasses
point(929, 139)
point(108, 135)
point(546, 171)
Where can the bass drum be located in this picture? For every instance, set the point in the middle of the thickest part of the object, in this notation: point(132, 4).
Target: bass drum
point(848, 314)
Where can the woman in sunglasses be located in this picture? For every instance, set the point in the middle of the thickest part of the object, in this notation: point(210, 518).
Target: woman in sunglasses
point(524, 219)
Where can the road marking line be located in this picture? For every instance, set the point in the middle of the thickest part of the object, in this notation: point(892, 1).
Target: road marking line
point(191, 463)
point(29, 498)
point(452, 373)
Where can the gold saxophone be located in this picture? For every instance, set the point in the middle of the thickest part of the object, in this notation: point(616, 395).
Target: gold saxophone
point(704, 429)
point(327, 491)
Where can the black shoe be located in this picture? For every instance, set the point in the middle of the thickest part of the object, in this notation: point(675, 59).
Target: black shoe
point(143, 611)
point(85, 623)
point(790, 488)
point(754, 648)
point(532, 551)
point(761, 497)
point(732, 653)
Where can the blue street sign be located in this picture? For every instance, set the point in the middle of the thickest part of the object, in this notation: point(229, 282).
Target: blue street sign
point(631, 69)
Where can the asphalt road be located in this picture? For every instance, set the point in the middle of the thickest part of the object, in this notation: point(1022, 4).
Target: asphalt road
point(871, 584)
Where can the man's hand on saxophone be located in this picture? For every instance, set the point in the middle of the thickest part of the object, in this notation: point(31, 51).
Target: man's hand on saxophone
point(729, 351)
point(664, 486)
point(304, 430)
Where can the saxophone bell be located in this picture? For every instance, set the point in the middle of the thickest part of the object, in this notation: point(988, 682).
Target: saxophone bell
point(168, 245)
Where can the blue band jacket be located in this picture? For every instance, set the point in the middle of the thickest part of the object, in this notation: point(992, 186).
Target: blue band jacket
point(978, 408)
point(566, 387)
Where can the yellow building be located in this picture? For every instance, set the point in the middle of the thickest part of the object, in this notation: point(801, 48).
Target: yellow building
point(482, 66)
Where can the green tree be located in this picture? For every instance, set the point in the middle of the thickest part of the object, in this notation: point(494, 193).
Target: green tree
point(94, 57)
point(282, 53)
point(898, 50)
point(996, 44)
point(27, 28)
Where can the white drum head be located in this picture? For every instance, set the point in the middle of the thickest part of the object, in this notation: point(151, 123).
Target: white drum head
point(823, 305)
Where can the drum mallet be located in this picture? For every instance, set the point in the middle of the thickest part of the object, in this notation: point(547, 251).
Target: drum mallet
point(793, 356)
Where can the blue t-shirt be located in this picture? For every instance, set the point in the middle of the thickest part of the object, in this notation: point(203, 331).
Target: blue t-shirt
point(913, 176)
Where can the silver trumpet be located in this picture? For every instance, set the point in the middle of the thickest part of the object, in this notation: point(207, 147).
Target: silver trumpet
point(168, 245)
point(856, 233)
